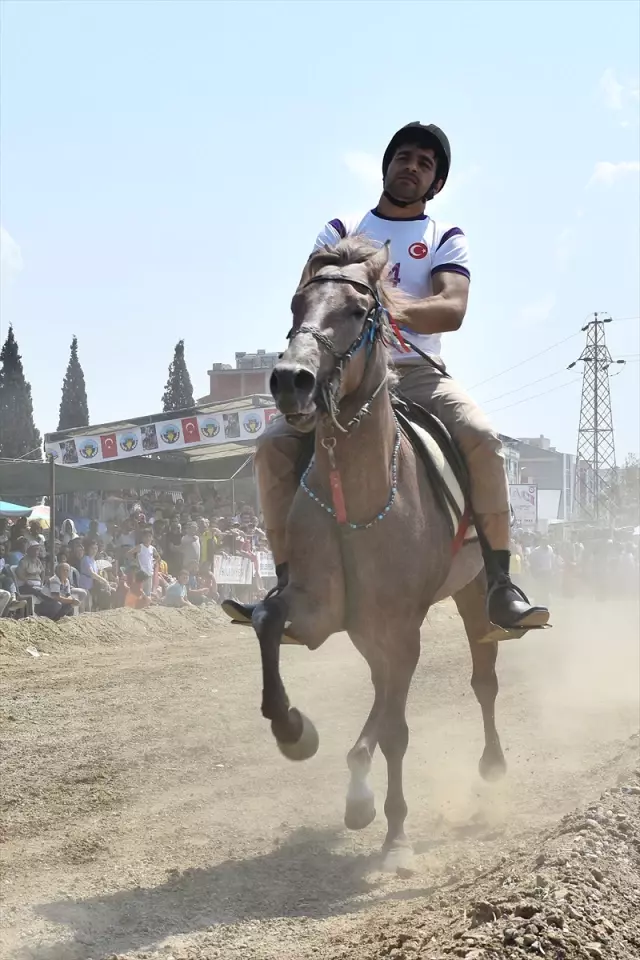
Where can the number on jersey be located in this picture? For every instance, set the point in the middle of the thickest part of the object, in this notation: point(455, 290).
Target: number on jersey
point(394, 274)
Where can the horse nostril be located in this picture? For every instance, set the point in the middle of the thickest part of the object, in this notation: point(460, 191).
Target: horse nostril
point(304, 382)
point(292, 380)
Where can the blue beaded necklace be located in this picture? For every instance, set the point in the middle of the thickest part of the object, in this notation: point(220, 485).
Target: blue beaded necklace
point(392, 496)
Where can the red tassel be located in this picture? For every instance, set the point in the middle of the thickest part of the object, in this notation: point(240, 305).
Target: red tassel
point(400, 338)
point(337, 495)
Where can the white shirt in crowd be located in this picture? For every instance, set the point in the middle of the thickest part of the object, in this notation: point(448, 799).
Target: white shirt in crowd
point(419, 249)
point(542, 558)
point(145, 559)
point(190, 547)
point(54, 588)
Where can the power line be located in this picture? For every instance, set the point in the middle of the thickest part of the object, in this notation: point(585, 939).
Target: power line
point(523, 387)
point(544, 393)
point(541, 353)
point(526, 360)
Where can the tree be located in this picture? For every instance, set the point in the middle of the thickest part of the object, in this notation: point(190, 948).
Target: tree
point(178, 392)
point(74, 410)
point(18, 434)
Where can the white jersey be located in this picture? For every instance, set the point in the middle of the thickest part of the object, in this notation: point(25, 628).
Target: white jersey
point(419, 248)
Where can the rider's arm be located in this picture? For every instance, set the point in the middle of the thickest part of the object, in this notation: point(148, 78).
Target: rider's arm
point(442, 312)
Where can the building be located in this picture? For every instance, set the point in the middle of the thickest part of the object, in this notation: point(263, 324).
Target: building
point(552, 472)
point(250, 376)
point(511, 456)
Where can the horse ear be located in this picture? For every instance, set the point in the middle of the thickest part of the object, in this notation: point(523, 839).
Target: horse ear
point(306, 273)
point(377, 263)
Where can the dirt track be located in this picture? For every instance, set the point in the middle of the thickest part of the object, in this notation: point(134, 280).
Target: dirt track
point(146, 806)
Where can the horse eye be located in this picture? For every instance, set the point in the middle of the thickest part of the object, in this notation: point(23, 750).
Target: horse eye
point(359, 313)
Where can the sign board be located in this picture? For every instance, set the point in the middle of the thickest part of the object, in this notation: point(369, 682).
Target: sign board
point(266, 565)
point(162, 436)
point(232, 570)
point(524, 502)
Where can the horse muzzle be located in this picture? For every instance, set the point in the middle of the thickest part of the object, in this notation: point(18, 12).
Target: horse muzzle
point(293, 387)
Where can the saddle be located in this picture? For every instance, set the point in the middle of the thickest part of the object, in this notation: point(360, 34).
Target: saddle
point(444, 465)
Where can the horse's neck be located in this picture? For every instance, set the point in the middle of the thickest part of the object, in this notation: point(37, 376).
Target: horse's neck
point(363, 456)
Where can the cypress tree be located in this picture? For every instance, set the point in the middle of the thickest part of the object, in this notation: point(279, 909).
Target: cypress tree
point(178, 392)
point(74, 409)
point(18, 434)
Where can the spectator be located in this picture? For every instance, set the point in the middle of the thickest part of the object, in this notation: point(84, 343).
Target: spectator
point(542, 565)
point(146, 557)
point(190, 546)
point(18, 552)
point(97, 586)
point(68, 531)
point(173, 548)
point(59, 588)
point(7, 585)
point(30, 571)
point(196, 593)
point(136, 596)
point(176, 595)
point(4, 530)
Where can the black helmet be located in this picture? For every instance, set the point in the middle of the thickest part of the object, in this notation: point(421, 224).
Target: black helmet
point(427, 134)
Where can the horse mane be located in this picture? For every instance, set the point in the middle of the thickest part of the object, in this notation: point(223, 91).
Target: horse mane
point(351, 250)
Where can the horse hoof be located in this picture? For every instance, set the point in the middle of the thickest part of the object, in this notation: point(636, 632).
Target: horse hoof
point(492, 767)
point(398, 859)
point(359, 813)
point(307, 743)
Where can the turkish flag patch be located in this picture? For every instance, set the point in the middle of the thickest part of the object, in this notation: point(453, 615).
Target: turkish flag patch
point(109, 446)
point(190, 430)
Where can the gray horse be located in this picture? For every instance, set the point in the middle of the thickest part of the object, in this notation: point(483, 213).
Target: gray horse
point(369, 547)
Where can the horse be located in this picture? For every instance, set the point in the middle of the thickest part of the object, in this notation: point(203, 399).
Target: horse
point(369, 548)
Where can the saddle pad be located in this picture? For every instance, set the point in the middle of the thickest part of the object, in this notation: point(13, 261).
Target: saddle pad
point(443, 464)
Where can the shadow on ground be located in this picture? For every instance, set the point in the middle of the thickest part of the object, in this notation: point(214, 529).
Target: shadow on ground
point(303, 877)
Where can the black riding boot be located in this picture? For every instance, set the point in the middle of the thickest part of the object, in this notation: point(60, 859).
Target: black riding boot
point(507, 605)
point(242, 612)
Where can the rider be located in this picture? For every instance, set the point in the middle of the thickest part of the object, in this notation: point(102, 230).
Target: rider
point(429, 262)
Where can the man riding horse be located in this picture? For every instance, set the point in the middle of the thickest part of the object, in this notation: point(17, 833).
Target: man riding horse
point(430, 265)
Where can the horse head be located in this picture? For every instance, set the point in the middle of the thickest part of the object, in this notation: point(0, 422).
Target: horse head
point(340, 321)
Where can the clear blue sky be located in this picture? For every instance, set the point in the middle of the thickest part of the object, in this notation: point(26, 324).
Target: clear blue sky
point(167, 165)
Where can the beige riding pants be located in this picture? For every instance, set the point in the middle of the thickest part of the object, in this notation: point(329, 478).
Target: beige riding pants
point(281, 448)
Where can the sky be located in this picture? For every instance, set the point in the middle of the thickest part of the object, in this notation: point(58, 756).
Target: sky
point(166, 167)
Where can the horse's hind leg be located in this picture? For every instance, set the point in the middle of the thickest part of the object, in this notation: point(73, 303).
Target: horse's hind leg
point(296, 736)
point(394, 739)
point(360, 809)
point(471, 604)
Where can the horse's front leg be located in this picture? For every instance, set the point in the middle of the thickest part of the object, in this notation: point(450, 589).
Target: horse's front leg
point(295, 735)
point(394, 739)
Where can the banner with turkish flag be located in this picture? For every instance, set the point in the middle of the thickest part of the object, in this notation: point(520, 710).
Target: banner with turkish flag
point(222, 426)
point(190, 430)
point(109, 446)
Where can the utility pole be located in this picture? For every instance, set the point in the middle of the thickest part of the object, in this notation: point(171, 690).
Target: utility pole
point(594, 493)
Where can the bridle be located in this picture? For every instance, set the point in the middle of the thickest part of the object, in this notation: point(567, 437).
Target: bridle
point(375, 327)
point(372, 330)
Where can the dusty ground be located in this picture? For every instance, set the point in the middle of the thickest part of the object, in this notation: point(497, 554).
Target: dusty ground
point(147, 812)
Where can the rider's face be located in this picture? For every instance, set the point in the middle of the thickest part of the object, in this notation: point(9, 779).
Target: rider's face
point(411, 173)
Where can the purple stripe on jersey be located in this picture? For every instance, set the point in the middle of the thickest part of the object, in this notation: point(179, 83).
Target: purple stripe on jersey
point(453, 232)
point(451, 268)
point(339, 227)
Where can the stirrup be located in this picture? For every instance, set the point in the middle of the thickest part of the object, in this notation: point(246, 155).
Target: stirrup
point(236, 611)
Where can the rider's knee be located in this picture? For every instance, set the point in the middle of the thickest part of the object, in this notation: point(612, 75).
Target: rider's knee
point(480, 440)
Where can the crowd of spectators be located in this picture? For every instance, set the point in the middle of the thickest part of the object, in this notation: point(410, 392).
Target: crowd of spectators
point(156, 551)
point(600, 567)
